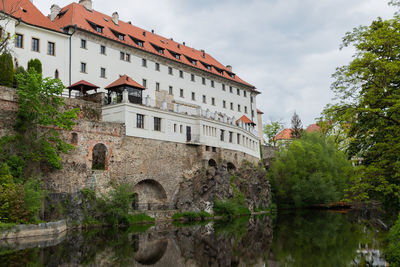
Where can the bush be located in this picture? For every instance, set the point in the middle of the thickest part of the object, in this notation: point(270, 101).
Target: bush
point(392, 253)
point(310, 171)
point(36, 65)
point(6, 70)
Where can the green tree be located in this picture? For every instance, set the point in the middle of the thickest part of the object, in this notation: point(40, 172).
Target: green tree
point(368, 109)
point(36, 64)
point(6, 70)
point(310, 171)
point(392, 253)
point(297, 126)
point(271, 130)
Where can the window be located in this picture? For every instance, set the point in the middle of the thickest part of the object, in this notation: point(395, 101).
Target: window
point(144, 83)
point(222, 135)
point(19, 40)
point(224, 104)
point(231, 106)
point(175, 127)
point(223, 87)
point(157, 87)
point(238, 138)
point(35, 44)
point(99, 29)
point(230, 137)
point(181, 92)
point(83, 43)
point(102, 50)
point(83, 67)
point(121, 55)
point(230, 89)
point(181, 128)
point(157, 124)
point(102, 72)
point(140, 121)
point(170, 90)
point(251, 99)
point(128, 57)
point(181, 74)
point(244, 93)
point(193, 96)
point(212, 83)
point(238, 91)
point(157, 66)
point(56, 75)
point(170, 71)
point(203, 80)
point(51, 48)
point(213, 101)
point(144, 62)
point(204, 99)
point(239, 108)
point(252, 113)
point(245, 109)
point(192, 78)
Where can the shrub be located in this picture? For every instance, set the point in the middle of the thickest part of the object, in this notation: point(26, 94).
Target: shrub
point(392, 253)
point(6, 70)
point(191, 216)
point(36, 65)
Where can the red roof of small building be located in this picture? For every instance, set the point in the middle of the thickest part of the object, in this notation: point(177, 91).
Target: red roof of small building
point(27, 12)
point(124, 80)
point(245, 119)
point(313, 128)
point(285, 134)
point(76, 14)
point(84, 84)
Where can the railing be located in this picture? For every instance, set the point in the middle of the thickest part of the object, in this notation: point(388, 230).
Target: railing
point(154, 206)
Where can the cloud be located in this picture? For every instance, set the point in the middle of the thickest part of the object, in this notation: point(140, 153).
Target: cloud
point(287, 49)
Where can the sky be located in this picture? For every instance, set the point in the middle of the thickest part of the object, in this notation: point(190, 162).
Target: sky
point(288, 49)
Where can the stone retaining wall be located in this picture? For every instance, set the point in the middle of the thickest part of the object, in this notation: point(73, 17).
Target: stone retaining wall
point(32, 230)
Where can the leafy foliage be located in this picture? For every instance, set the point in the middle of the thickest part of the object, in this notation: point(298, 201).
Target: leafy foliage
point(392, 253)
point(191, 216)
point(35, 64)
point(367, 114)
point(231, 207)
point(6, 70)
point(310, 171)
point(271, 130)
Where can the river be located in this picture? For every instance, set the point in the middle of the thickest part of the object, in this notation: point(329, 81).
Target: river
point(307, 238)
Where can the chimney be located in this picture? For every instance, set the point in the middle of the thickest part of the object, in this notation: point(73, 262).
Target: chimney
point(87, 4)
point(203, 53)
point(115, 18)
point(184, 43)
point(229, 67)
point(129, 22)
point(54, 11)
point(152, 31)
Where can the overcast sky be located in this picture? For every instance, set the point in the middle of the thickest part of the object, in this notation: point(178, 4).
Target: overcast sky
point(288, 49)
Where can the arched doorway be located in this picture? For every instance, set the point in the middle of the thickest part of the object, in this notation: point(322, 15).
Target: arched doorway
point(212, 163)
point(231, 167)
point(99, 156)
point(149, 195)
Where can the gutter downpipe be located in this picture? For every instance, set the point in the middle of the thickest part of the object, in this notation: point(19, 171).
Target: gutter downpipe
point(70, 53)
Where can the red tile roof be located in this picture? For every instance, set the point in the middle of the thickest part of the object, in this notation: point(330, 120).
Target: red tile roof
point(285, 134)
point(313, 128)
point(245, 119)
point(83, 83)
point(124, 80)
point(27, 12)
point(76, 14)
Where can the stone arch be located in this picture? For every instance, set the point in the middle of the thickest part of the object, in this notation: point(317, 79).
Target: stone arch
point(152, 252)
point(212, 163)
point(99, 157)
point(149, 195)
point(230, 166)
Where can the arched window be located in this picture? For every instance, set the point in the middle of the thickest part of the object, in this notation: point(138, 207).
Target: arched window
point(212, 163)
point(74, 138)
point(99, 155)
point(56, 75)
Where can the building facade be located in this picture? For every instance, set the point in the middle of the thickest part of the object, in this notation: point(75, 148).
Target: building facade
point(187, 96)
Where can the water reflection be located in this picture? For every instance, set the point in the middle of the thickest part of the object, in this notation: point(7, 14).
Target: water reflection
point(300, 239)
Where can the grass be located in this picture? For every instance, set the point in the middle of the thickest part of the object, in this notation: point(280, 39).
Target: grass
point(138, 218)
point(191, 216)
point(6, 226)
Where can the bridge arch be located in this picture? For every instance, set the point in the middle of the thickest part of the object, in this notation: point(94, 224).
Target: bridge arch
point(149, 194)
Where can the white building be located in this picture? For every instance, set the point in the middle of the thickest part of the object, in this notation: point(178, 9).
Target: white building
point(188, 96)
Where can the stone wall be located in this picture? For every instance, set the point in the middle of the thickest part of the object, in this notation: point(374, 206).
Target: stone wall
point(31, 230)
